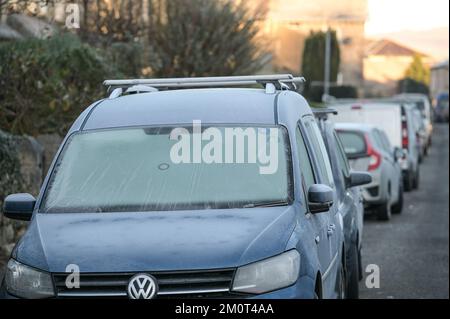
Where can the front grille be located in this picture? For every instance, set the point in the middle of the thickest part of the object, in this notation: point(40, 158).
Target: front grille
point(185, 284)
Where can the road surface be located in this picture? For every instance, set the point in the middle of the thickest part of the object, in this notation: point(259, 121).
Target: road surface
point(412, 249)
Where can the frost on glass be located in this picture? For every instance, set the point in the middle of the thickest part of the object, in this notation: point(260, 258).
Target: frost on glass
point(131, 170)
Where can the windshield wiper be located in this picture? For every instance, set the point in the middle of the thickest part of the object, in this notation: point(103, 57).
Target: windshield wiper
point(267, 204)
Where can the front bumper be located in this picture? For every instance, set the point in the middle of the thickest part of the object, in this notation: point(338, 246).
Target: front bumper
point(373, 192)
point(302, 289)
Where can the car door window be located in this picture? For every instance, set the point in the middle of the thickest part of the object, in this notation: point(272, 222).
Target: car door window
point(386, 141)
point(304, 161)
point(320, 151)
point(342, 158)
point(383, 141)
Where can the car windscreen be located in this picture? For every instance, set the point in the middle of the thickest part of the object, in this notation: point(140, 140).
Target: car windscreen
point(420, 106)
point(354, 143)
point(146, 169)
point(442, 102)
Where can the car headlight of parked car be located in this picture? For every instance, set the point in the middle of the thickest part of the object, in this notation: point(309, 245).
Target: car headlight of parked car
point(26, 282)
point(268, 275)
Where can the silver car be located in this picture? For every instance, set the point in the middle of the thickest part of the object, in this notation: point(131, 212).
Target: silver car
point(369, 149)
point(423, 105)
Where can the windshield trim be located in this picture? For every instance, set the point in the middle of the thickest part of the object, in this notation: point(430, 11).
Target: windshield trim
point(290, 171)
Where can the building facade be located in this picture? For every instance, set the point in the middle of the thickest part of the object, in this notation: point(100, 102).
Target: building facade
point(385, 63)
point(439, 78)
point(289, 23)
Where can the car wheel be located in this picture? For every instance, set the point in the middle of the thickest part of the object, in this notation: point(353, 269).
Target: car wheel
point(408, 184)
point(398, 207)
point(342, 283)
point(353, 274)
point(416, 180)
point(360, 266)
point(384, 211)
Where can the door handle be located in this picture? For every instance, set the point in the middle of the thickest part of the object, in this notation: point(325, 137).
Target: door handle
point(331, 229)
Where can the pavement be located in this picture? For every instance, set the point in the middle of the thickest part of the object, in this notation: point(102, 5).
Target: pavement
point(411, 250)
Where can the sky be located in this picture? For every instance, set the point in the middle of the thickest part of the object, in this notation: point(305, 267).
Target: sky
point(386, 16)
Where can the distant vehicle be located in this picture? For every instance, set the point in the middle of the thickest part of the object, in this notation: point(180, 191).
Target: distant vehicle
point(350, 200)
point(396, 120)
point(368, 149)
point(441, 108)
point(421, 133)
point(423, 105)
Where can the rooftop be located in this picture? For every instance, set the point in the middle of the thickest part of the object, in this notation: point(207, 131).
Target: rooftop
point(390, 48)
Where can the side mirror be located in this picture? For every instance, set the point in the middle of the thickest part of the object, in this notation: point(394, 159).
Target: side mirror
point(320, 198)
point(19, 206)
point(359, 179)
point(398, 154)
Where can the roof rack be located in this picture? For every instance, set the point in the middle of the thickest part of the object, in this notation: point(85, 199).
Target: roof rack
point(323, 111)
point(276, 81)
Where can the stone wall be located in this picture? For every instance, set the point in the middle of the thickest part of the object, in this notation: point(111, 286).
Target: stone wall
point(33, 157)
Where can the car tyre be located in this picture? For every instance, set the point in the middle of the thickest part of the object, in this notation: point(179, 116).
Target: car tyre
point(416, 180)
point(408, 183)
point(398, 207)
point(384, 211)
point(353, 274)
point(360, 265)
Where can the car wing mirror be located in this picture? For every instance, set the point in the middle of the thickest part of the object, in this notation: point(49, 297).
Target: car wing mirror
point(19, 206)
point(359, 179)
point(320, 198)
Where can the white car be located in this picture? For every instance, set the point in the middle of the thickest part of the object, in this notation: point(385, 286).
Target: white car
point(368, 149)
point(423, 105)
point(397, 120)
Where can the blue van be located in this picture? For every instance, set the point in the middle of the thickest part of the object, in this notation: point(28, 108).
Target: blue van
point(118, 217)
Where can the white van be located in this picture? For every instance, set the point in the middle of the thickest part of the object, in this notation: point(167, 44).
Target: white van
point(423, 105)
point(396, 120)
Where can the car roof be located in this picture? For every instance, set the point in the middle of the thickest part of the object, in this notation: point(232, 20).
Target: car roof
point(177, 107)
point(360, 127)
point(412, 96)
point(367, 103)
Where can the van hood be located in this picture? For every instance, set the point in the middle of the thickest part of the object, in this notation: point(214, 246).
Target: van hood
point(155, 241)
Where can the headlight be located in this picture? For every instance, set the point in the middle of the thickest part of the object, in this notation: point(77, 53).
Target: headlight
point(25, 282)
point(268, 275)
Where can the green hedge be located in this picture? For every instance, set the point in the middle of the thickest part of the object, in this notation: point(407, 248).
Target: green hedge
point(45, 84)
point(409, 85)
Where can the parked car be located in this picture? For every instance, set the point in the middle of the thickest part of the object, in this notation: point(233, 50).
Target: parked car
point(367, 150)
point(421, 134)
point(396, 119)
point(137, 224)
point(349, 200)
point(441, 108)
point(423, 105)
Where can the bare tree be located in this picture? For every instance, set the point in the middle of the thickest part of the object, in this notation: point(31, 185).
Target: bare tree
point(111, 21)
point(204, 37)
point(31, 7)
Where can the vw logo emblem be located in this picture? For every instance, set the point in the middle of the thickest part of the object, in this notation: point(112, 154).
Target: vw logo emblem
point(142, 286)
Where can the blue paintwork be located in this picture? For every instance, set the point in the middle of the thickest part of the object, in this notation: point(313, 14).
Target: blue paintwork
point(349, 199)
point(157, 241)
point(188, 240)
